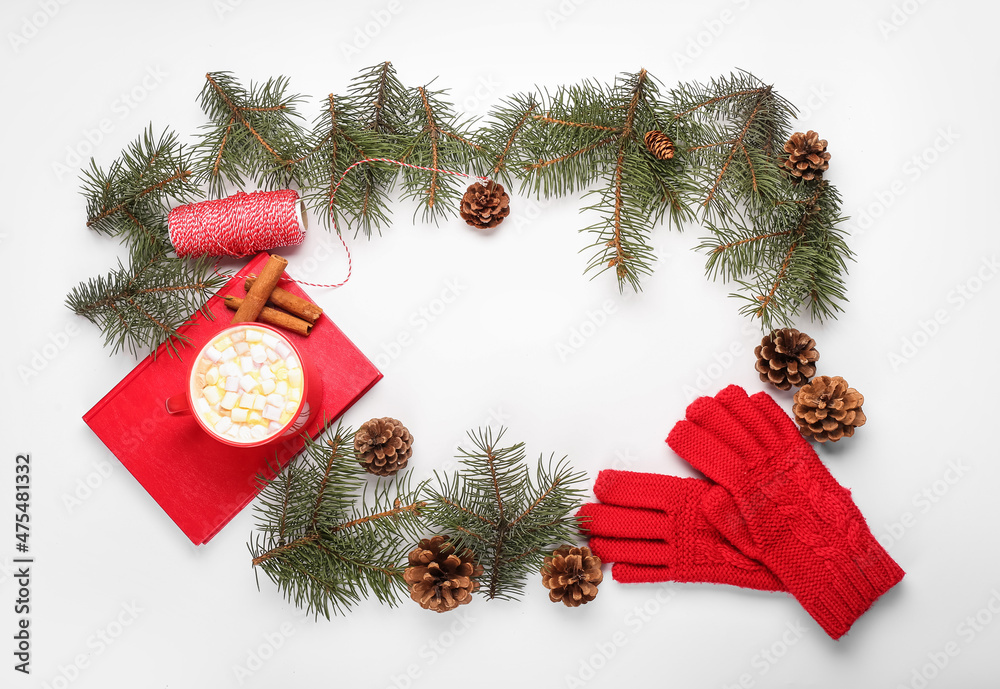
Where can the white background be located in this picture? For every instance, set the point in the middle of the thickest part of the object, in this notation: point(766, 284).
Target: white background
point(904, 92)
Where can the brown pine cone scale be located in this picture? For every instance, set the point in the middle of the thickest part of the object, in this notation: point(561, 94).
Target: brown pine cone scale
point(484, 206)
point(828, 409)
point(383, 446)
point(785, 358)
point(439, 578)
point(571, 575)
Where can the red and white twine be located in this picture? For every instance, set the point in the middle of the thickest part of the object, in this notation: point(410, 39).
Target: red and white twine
point(244, 224)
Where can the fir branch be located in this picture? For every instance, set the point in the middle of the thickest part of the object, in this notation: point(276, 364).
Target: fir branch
point(321, 542)
point(131, 198)
point(509, 520)
point(142, 306)
point(254, 134)
point(786, 257)
point(437, 138)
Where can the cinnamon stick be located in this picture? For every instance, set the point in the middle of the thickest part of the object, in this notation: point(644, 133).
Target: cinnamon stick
point(292, 303)
point(273, 317)
point(258, 294)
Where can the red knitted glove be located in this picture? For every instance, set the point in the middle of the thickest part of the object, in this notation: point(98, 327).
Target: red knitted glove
point(777, 503)
point(653, 527)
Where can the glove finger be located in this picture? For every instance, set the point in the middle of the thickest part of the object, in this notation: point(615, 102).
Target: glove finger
point(749, 415)
point(710, 414)
point(780, 421)
point(624, 522)
point(706, 453)
point(635, 489)
point(634, 551)
point(724, 514)
point(761, 580)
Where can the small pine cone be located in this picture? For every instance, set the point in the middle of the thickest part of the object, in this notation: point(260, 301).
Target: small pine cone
point(484, 205)
point(439, 579)
point(659, 144)
point(807, 155)
point(383, 446)
point(785, 358)
point(827, 409)
point(571, 575)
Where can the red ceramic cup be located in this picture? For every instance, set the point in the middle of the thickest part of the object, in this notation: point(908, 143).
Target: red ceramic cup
point(183, 404)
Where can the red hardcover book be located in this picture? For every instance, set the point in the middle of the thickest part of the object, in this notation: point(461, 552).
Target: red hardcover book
point(199, 482)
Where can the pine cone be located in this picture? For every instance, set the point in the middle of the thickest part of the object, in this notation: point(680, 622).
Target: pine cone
point(571, 575)
point(383, 446)
point(807, 155)
point(484, 205)
point(659, 144)
point(785, 358)
point(439, 579)
point(827, 409)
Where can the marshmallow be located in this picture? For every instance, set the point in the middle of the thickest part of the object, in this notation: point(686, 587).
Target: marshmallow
point(276, 400)
point(232, 384)
point(274, 427)
point(254, 335)
point(295, 394)
point(272, 355)
point(291, 406)
point(228, 353)
point(295, 377)
point(213, 354)
point(259, 353)
point(237, 336)
point(241, 348)
point(258, 432)
point(229, 401)
point(283, 350)
point(202, 406)
point(223, 425)
point(281, 388)
point(282, 374)
point(245, 434)
point(254, 417)
point(212, 375)
point(212, 417)
point(266, 373)
point(267, 386)
point(259, 402)
point(285, 418)
point(248, 383)
point(246, 400)
point(271, 413)
point(270, 340)
point(233, 430)
point(239, 415)
point(246, 364)
point(211, 394)
point(293, 362)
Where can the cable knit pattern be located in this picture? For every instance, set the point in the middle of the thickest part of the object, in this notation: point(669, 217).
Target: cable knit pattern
point(779, 504)
point(655, 529)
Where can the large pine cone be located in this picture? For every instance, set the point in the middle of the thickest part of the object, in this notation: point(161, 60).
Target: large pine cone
point(571, 575)
point(439, 579)
point(659, 144)
point(484, 205)
point(827, 409)
point(807, 155)
point(383, 446)
point(785, 358)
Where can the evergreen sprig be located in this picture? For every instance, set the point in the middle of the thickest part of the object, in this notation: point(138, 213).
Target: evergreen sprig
point(435, 137)
point(254, 134)
point(143, 305)
point(792, 254)
point(732, 130)
point(494, 507)
point(321, 541)
point(129, 200)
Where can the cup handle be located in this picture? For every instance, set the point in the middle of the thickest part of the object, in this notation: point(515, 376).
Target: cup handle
point(178, 405)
